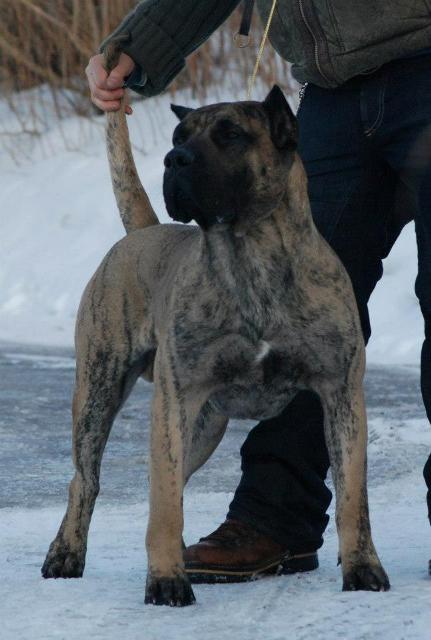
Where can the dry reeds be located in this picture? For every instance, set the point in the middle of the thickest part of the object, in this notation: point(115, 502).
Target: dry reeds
point(47, 43)
point(50, 41)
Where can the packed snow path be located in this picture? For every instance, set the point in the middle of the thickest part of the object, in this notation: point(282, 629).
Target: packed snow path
point(35, 469)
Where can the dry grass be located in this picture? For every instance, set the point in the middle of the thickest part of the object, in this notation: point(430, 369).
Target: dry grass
point(50, 41)
point(47, 43)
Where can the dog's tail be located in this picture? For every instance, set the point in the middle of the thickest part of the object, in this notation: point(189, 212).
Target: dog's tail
point(133, 203)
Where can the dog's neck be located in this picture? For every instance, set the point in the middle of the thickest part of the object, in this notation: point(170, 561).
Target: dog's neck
point(254, 265)
point(287, 231)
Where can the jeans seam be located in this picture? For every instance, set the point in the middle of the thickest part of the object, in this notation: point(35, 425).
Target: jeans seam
point(340, 213)
point(379, 118)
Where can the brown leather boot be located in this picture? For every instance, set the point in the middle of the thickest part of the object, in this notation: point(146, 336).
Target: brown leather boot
point(236, 552)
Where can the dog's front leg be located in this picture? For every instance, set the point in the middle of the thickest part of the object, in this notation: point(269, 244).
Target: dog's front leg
point(173, 417)
point(346, 438)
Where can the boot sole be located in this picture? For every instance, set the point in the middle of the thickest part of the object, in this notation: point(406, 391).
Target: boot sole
point(282, 566)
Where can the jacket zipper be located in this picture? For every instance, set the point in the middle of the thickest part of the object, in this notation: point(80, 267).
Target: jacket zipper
point(316, 50)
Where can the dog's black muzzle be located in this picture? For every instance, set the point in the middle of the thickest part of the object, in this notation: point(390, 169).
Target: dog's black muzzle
point(185, 191)
point(177, 185)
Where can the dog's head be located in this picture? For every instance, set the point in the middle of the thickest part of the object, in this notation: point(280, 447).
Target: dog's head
point(229, 161)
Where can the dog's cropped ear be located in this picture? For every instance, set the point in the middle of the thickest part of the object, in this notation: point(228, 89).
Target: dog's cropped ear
point(180, 112)
point(284, 129)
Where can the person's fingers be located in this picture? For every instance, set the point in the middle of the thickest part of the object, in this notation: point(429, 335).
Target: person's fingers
point(106, 91)
point(112, 105)
point(96, 73)
point(123, 69)
point(107, 105)
point(97, 76)
point(101, 94)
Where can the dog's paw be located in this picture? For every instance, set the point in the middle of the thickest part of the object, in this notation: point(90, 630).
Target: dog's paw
point(60, 563)
point(366, 577)
point(174, 592)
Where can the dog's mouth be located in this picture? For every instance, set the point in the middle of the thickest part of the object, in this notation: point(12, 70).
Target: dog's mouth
point(186, 209)
point(213, 195)
point(182, 206)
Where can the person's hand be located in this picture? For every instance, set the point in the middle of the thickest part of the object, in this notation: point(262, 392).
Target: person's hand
point(106, 91)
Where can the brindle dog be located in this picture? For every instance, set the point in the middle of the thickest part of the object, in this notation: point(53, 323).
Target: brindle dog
point(230, 319)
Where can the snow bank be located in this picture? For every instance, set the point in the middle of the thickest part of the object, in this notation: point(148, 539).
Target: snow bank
point(58, 219)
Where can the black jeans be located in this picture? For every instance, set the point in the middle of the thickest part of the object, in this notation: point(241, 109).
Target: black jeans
point(366, 147)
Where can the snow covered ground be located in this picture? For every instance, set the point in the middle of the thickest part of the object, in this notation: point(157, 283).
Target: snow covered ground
point(108, 603)
point(59, 218)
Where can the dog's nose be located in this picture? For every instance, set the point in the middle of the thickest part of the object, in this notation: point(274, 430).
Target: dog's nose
point(178, 158)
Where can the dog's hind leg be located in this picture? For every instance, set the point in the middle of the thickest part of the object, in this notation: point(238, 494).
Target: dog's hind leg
point(346, 439)
point(104, 378)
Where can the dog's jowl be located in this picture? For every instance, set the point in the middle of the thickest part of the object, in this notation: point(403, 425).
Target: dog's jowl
point(230, 318)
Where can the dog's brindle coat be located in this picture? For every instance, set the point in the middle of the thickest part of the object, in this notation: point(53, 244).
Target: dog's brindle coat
point(230, 319)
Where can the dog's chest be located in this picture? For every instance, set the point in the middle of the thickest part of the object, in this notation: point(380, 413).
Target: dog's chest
point(256, 382)
point(252, 353)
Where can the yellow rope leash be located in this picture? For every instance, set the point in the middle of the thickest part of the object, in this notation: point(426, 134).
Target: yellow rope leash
point(252, 79)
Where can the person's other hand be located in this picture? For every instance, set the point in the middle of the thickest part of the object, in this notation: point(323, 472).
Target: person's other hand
point(106, 91)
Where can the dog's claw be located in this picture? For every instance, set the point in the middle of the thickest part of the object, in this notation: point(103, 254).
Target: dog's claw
point(173, 592)
point(366, 577)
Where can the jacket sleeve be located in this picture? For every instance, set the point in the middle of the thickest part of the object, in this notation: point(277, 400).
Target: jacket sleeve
point(162, 33)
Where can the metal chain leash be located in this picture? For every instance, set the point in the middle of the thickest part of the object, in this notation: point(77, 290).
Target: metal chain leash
point(252, 78)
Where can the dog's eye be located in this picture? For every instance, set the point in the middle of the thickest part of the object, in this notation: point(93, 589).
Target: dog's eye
point(231, 134)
